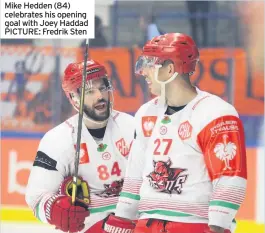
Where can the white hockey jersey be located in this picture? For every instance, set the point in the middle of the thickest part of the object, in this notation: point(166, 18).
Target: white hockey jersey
point(102, 166)
point(186, 167)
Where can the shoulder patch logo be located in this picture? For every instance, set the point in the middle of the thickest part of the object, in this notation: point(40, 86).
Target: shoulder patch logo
point(185, 130)
point(223, 146)
point(225, 151)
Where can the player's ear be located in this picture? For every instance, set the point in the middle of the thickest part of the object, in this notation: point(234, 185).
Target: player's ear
point(170, 69)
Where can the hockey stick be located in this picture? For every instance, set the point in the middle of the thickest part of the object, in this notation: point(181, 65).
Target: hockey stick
point(79, 129)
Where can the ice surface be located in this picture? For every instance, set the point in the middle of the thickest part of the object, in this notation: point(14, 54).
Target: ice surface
point(26, 228)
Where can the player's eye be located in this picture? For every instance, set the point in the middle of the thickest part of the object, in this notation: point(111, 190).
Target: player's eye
point(103, 89)
point(90, 91)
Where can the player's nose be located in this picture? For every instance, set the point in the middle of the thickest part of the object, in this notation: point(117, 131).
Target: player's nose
point(98, 94)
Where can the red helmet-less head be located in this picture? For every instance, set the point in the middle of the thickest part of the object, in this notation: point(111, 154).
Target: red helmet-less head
point(177, 47)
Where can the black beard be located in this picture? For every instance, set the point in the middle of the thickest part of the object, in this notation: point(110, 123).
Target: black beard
point(91, 113)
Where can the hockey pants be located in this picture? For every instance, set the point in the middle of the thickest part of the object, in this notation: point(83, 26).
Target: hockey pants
point(160, 226)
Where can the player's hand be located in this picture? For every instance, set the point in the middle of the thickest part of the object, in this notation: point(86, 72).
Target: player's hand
point(82, 194)
point(60, 212)
point(117, 224)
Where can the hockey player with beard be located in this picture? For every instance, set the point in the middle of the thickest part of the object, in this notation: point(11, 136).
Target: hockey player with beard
point(105, 142)
point(187, 168)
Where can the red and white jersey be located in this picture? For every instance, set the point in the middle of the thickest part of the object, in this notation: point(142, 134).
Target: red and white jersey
point(101, 165)
point(186, 167)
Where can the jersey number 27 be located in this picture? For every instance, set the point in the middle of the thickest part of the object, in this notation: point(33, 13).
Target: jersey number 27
point(162, 146)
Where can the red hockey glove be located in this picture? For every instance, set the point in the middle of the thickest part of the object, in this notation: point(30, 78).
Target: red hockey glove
point(116, 224)
point(60, 212)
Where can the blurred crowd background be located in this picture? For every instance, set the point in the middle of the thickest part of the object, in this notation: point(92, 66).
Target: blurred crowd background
point(229, 34)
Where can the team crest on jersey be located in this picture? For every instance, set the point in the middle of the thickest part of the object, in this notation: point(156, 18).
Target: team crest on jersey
point(84, 158)
point(167, 179)
point(102, 147)
point(166, 120)
point(163, 130)
point(122, 147)
point(185, 130)
point(148, 124)
point(106, 156)
point(112, 190)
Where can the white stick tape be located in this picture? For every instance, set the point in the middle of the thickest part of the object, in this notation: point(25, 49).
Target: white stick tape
point(47, 19)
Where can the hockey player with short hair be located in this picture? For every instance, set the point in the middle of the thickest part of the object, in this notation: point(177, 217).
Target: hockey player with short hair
point(187, 168)
point(105, 143)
